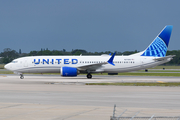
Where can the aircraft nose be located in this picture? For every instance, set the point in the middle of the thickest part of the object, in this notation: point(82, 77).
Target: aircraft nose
point(7, 66)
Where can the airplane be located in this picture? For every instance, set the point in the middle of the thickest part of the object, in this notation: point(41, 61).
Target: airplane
point(71, 66)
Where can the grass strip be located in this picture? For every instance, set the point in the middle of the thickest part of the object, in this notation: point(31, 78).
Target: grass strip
point(138, 84)
point(150, 74)
point(149, 70)
point(141, 74)
point(2, 66)
point(6, 72)
point(166, 67)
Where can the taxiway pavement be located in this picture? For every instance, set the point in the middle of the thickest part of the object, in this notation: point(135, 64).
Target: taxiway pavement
point(57, 98)
point(82, 78)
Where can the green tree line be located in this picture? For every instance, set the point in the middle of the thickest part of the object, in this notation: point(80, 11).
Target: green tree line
point(8, 55)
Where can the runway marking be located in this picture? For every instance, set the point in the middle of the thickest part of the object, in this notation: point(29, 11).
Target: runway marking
point(3, 76)
point(161, 82)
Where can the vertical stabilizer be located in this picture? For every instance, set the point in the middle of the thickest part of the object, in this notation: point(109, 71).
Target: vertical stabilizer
point(158, 47)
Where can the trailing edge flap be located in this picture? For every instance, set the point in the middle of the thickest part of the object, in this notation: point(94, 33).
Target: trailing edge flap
point(92, 66)
point(166, 57)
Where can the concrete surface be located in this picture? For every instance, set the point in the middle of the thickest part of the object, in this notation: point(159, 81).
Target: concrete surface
point(35, 97)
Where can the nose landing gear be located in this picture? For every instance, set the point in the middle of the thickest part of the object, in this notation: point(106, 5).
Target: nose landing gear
point(21, 76)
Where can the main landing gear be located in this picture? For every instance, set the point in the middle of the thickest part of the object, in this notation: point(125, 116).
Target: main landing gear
point(21, 76)
point(89, 76)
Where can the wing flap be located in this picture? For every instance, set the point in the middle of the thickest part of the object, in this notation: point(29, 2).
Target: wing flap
point(92, 67)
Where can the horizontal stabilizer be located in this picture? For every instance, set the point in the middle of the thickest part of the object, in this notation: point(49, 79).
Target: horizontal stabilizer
point(164, 58)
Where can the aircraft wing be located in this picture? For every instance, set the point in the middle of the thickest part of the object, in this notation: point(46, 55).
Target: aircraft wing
point(93, 67)
point(164, 58)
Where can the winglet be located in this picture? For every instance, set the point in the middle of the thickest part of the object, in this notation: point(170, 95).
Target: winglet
point(110, 61)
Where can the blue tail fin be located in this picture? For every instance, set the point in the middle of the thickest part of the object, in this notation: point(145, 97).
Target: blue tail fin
point(158, 47)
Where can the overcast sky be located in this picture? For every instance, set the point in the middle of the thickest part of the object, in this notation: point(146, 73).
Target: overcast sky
point(93, 25)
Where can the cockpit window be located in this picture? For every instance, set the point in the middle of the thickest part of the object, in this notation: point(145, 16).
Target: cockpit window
point(14, 61)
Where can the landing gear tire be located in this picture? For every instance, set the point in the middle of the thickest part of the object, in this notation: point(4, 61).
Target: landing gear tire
point(146, 70)
point(89, 76)
point(21, 76)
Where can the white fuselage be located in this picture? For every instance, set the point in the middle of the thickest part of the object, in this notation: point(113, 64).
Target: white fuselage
point(53, 64)
point(153, 55)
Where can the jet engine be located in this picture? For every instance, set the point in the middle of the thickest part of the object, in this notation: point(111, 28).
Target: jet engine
point(69, 71)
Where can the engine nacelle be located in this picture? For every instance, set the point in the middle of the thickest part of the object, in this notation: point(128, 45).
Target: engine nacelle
point(69, 71)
